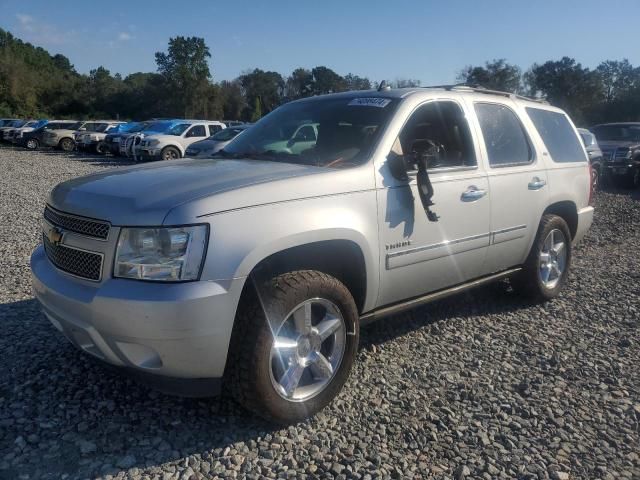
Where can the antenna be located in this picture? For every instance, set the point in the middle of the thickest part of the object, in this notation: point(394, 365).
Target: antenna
point(383, 86)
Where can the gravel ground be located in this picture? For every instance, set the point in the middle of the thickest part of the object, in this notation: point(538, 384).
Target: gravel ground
point(477, 386)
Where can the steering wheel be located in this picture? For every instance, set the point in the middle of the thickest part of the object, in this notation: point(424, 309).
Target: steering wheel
point(430, 148)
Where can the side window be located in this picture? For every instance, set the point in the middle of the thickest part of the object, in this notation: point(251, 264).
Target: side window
point(196, 131)
point(305, 134)
point(504, 135)
point(557, 134)
point(213, 129)
point(441, 127)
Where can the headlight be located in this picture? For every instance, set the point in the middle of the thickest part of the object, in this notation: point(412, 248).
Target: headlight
point(172, 254)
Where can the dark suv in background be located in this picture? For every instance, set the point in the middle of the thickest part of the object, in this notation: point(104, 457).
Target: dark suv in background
point(620, 145)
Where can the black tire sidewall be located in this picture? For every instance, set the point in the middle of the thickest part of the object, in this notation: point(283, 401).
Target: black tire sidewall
point(279, 304)
point(549, 223)
point(166, 150)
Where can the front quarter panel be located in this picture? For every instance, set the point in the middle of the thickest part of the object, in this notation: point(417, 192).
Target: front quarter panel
point(241, 239)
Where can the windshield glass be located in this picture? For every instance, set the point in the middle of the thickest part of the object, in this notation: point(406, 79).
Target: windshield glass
point(101, 127)
point(131, 127)
point(18, 123)
point(158, 127)
point(226, 134)
point(177, 129)
point(330, 132)
point(617, 133)
point(73, 126)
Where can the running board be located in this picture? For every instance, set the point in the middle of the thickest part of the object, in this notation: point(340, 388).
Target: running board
point(432, 297)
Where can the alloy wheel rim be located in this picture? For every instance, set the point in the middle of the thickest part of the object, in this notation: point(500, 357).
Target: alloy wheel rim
point(553, 258)
point(31, 144)
point(307, 350)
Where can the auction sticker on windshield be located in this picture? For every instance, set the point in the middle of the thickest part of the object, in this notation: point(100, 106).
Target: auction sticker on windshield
point(370, 102)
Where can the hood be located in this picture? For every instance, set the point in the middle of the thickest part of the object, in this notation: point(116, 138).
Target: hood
point(144, 194)
point(207, 144)
point(610, 145)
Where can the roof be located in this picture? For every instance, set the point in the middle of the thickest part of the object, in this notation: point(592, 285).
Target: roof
point(398, 93)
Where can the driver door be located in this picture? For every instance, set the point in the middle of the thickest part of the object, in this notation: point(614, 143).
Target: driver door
point(421, 255)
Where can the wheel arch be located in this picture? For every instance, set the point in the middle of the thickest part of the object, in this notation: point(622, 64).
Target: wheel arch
point(340, 258)
point(568, 211)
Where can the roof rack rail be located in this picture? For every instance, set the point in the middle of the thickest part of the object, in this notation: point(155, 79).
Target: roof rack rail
point(481, 89)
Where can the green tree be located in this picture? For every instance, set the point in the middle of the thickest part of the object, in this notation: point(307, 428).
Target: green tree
point(326, 80)
point(232, 99)
point(495, 75)
point(355, 82)
point(299, 84)
point(261, 88)
point(618, 78)
point(405, 83)
point(185, 67)
point(566, 84)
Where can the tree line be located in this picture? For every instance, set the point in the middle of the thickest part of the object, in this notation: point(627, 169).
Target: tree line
point(34, 83)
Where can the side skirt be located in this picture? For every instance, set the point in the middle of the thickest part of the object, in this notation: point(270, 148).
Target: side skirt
point(395, 308)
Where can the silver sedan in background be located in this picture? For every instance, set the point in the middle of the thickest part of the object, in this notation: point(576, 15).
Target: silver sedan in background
point(215, 143)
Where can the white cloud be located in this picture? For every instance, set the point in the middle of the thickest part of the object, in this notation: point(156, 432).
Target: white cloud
point(35, 31)
point(124, 36)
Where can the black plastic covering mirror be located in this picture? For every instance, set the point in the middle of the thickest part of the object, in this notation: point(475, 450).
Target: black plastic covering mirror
point(423, 153)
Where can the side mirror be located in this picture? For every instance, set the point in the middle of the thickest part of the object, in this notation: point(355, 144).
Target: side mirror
point(398, 166)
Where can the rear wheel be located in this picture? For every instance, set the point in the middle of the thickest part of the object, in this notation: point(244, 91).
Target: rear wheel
point(32, 144)
point(547, 266)
point(101, 148)
point(66, 144)
point(170, 153)
point(595, 179)
point(291, 358)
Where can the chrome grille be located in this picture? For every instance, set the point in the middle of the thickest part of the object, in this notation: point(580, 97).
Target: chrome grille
point(76, 262)
point(84, 226)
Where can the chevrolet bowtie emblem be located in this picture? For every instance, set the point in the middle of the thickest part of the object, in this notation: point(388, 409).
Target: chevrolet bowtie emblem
point(54, 234)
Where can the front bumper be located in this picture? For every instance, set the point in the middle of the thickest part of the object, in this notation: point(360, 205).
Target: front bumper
point(585, 219)
point(148, 153)
point(179, 330)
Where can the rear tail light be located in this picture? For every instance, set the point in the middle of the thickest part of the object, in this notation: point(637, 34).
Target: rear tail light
point(591, 184)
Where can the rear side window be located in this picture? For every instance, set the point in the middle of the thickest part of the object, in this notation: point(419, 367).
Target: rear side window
point(213, 129)
point(504, 136)
point(558, 135)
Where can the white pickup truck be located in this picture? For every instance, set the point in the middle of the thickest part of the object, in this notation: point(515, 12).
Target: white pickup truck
point(174, 142)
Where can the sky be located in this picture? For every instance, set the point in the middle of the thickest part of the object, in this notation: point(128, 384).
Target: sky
point(430, 41)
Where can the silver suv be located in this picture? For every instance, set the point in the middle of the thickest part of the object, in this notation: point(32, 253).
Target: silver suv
point(258, 267)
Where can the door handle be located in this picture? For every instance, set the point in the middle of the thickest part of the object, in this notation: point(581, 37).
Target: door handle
point(472, 194)
point(536, 183)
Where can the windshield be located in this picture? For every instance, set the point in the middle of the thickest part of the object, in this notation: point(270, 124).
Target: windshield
point(159, 127)
point(330, 132)
point(177, 129)
point(131, 127)
point(617, 133)
point(102, 127)
point(73, 126)
point(18, 123)
point(227, 134)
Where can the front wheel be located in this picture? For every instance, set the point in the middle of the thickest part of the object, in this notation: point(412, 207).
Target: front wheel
point(32, 144)
point(170, 153)
point(294, 342)
point(547, 266)
point(66, 145)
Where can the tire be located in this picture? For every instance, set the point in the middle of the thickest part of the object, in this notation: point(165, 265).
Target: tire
point(257, 370)
point(170, 153)
point(595, 179)
point(66, 145)
point(530, 281)
point(32, 144)
point(101, 148)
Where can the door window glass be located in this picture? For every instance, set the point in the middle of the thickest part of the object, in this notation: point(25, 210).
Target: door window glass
point(197, 131)
point(441, 127)
point(504, 136)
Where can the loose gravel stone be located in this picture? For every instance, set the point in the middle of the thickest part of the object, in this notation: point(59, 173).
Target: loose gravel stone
point(482, 385)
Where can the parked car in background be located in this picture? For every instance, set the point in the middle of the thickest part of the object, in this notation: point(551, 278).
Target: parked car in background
point(63, 138)
point(113, 137)
point(129, 141)
point(233, 123)
point(174, 142)
point(259, 268)
point(206, 148)
point(92, 138)
point(16, 135)
point(33, 140)
point(620, 145)
point(10, 125)
point(4, 122)
point(595, 155)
